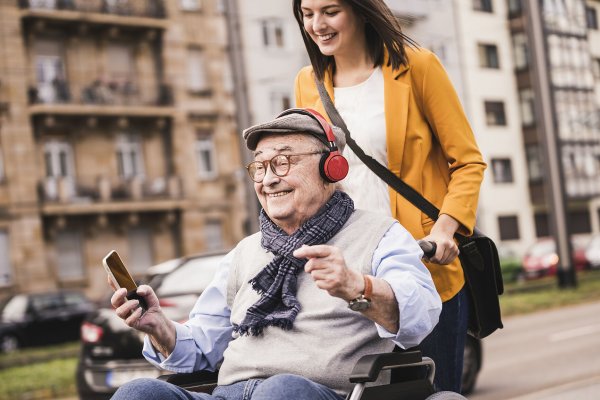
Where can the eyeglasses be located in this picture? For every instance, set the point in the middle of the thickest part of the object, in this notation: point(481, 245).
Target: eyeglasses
point(280, 165)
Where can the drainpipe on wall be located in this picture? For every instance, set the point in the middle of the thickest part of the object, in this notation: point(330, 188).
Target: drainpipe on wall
point(242, 116)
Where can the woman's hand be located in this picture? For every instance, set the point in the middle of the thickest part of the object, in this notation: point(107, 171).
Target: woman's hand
point(442, 233)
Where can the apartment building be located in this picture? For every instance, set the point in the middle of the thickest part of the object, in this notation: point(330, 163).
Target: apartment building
point(117, 131)
point(472, 40)
point(570, 48)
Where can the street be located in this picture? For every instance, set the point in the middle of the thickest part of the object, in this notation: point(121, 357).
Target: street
point(548, 355)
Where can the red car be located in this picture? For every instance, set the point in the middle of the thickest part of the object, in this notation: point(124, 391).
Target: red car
point(542, 258)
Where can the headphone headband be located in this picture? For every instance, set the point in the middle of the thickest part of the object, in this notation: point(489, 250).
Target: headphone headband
point(327, 129)
point(333, 166)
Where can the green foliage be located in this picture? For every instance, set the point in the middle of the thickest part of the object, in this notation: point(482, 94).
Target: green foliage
point(511, 269)
point(541, 294)
point(47, 380)
point(38, 354)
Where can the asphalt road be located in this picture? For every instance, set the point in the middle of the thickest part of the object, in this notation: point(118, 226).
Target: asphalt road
point(551, 355)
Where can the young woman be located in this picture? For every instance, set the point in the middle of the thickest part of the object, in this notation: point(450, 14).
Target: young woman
point(401, 108)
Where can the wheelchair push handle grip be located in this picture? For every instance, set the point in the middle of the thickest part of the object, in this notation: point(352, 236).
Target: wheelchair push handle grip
point(429, 248)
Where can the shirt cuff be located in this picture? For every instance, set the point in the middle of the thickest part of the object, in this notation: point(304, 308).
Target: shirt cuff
point(183, 357)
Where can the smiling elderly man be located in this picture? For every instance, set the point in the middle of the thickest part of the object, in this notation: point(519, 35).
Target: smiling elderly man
point(294, 306)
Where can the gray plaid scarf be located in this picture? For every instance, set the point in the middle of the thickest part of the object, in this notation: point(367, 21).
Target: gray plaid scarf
point(276, 282)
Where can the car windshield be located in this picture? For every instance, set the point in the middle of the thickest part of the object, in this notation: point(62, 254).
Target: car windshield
point(191, 277)
point(14, 310)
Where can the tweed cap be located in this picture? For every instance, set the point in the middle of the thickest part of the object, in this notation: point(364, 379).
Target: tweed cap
point(292, 123)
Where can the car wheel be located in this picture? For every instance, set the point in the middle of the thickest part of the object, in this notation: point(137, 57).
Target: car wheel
point(471, 364)
point(9, 343)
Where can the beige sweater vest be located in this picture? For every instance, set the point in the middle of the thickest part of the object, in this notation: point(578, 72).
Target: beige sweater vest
point(327, 338)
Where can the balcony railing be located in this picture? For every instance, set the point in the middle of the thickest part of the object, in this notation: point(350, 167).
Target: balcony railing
point(102, 189)
point(99, 92)
point(132, 8)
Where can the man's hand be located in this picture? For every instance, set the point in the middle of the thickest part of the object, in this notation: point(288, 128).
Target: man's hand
point(442, 233)
point(328, 268)
point(153, 321)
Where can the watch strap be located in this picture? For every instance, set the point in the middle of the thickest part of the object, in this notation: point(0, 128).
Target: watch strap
point(368, 292)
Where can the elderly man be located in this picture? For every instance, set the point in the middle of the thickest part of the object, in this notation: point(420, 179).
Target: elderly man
point(294, 306)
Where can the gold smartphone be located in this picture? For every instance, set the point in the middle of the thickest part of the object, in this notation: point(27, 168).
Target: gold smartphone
point(120, 276)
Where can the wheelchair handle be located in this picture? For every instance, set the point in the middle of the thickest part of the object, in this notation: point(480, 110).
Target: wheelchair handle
point(429, 248)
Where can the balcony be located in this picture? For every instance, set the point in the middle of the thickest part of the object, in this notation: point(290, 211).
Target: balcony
point(89, 194)
point(131, 13)
point(100, 97)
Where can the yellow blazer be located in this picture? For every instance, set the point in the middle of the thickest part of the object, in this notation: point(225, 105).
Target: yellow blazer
point(430, 145)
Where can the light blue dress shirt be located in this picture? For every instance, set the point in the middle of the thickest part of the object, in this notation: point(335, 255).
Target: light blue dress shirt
point(202, 340)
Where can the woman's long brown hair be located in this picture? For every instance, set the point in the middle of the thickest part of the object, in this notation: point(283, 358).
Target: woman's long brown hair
point(382, 31)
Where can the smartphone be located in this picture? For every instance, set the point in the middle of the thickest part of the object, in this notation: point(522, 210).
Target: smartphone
point(121, 277)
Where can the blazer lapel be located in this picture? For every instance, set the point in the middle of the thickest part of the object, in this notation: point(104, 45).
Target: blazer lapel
point(396, 97)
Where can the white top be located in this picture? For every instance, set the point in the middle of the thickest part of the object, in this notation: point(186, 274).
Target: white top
point(362, 108)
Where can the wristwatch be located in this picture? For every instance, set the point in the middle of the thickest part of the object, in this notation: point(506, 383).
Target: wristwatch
point(363, 302)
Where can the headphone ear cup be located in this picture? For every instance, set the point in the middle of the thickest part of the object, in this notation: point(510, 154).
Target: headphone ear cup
point(333, 167)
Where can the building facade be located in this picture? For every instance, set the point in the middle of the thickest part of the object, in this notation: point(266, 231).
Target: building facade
point(568, 48)
point(118, 132)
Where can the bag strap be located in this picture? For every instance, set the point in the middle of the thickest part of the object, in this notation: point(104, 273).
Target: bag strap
point(410, 194)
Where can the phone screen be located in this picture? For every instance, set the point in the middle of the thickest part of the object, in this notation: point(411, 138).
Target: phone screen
point(117, 269)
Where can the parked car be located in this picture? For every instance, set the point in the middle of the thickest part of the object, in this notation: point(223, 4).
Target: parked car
point(111, 352)
point(42, 318)
point(541, 259)
point(592, 252)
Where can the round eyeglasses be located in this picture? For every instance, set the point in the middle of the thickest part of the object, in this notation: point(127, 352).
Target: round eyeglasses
point(280, 165)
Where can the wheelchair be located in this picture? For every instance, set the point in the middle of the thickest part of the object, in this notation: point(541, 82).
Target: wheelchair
point(405, 384)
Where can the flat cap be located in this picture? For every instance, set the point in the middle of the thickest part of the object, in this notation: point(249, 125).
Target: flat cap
point(294, 122)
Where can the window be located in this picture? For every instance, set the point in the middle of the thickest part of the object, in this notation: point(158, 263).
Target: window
point(514, 7)
point(221, 6)
point(579, 221)
point(120, 63)
point(213, 235)
point(129, 156)
point(60, 170)
point(534, 163)
point(488, 56)
point(272, 31)
point(542, 225)
point(197, 78)
point(205, 155)
point(527, 107)
point(502, 170)
point(591, 18)
point(280, 100)
point(494, 113)
point(50, 73)
point(521, 51)
point(483, 5)
point(49, 4)
point(190, 5)
point(5, 268)
point(509, 227)
point(596, 68)
point(140, 249)
point(68, 246)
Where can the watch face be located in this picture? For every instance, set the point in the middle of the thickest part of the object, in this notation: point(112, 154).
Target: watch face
point(359, 304)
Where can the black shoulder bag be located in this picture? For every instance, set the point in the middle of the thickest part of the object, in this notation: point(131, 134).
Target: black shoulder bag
point(478, 254)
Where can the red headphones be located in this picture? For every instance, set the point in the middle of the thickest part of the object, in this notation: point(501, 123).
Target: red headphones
point(333, 166)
